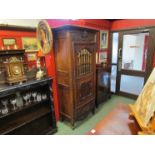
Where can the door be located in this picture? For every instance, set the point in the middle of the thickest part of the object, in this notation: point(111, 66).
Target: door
point(84, 72)
point(129, 59)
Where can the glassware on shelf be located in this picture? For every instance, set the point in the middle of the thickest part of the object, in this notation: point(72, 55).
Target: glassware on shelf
point(13, 101)
point(34, 95)
point(38, 97)
point(29, 97)
point(25, 97)
point(5, 102)
point(5, 109)
point(44, 96)
point(19, 100)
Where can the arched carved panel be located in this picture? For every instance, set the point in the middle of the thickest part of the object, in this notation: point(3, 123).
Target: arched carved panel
point(84, 62)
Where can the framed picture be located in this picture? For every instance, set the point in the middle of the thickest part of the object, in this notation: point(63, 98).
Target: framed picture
point(31, 56)
point(9, 41)
point(103, 39)
point(102, 57)
point(97, 58)
point(30, 44)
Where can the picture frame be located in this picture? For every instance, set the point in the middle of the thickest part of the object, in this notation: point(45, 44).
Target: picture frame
point(30, 44)
point(9, 41)
point(103, 39)
point(103, 57)
point(97, 58)
point(31, 57)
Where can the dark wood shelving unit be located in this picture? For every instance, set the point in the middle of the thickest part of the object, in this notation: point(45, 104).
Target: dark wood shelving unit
point(12, 125)
point(22, 109)
point(34, 119)
point(102, 83)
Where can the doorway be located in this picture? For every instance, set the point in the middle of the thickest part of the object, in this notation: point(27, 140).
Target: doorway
point(128, 62)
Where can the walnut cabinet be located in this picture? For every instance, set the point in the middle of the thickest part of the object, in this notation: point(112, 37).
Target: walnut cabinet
point(75, 64)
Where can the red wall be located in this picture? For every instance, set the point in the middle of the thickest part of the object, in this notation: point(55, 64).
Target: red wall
point(15, 34)
point(51, 69)
point(131, 23)
point(96, 24)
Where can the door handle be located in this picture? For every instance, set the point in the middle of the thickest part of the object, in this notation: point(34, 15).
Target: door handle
point(119, 65)
point(119, 59)
point(120, 52)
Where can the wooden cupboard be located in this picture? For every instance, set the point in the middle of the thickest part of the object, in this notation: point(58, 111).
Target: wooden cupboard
point(76, 72)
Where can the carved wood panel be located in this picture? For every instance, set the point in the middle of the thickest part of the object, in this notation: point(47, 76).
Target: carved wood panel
point(84, 62)
point(84, 57)
point(64, 98)
point(85, 90)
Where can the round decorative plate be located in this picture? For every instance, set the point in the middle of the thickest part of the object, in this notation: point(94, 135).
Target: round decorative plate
point(44, 37)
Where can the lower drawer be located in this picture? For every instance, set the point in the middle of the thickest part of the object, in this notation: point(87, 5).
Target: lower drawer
point(82, 112)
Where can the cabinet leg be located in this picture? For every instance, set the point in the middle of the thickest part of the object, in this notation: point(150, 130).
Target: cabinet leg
point(61, 118)
point(96, 104)
point(109, 97)
point(93, 111)
point(73, 125)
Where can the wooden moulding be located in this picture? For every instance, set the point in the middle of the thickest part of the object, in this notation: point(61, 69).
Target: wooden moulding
point(132, 107)
point(149, 129)
point(144, 108)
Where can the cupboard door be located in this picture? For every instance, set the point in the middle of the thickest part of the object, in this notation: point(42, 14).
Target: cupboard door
point(84, 59)
point(85, 90)
point(84, 54)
